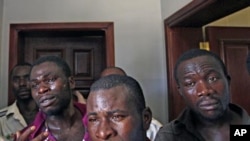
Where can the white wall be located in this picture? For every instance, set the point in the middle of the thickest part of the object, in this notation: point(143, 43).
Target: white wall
point(170, 6)
point(139, 37)
point(2, 101)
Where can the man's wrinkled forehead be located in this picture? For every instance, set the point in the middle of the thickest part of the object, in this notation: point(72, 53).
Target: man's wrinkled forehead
point(202, 60)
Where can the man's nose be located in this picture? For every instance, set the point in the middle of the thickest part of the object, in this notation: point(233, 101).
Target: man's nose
point(105, 130)
point(23, 82)
point(204, 88)
point(43, 88)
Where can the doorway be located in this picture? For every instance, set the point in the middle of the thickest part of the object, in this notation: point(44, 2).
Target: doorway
point(88, 48)
point(183, 31)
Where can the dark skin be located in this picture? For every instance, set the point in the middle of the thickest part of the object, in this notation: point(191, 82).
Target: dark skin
point(51, 90)
point(21, 90)
point(112, 117)
point(109, 71)
point(205, 89)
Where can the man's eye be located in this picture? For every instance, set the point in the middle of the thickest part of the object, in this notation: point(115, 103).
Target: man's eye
point(118, 117)
point(51, 80)
point(15, 80)
point(26, 78)
point(189, 84)
point(212, 79)
point(92, 120)
point(34, 85)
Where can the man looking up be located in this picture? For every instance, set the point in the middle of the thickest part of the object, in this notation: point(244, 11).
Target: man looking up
point(203, 82)
point(22, 112)
point(59, 118)
point(116, 110)
point(155, 125)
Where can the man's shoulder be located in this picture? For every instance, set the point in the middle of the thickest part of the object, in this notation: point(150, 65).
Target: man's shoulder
point(168, 127)
point(3, 111)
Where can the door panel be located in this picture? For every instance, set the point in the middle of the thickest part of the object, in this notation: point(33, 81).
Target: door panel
point(232, 44)
point(178, 40)
point(86, 47)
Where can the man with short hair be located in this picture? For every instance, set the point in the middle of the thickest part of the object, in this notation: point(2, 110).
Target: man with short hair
point(116, 110)
point(22, 112)
point(155, 125)
point(59, 118)
point(203, 82)
point(112, 70)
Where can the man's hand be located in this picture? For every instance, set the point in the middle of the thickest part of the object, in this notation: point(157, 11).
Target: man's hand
point(24, 136)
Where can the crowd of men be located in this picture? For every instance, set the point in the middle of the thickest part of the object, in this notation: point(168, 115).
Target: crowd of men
point(47, 108)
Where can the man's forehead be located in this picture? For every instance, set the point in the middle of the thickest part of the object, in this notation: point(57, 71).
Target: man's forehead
point(205, 59)
point(21, 69)
point(46, 66)
point(116, 96)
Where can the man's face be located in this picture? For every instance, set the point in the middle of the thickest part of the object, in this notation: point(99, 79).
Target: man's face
point(51, 89)
point(20, 82)
point(111, 116)
point(204, 86)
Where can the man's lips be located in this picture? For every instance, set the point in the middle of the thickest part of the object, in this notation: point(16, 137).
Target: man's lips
point(46, 101)
point(209, 104)
point(24, 91)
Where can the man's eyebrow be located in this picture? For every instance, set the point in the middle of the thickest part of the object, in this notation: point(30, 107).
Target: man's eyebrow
point(211, 71)
point(91, 114)
point(109, 112)
point(44, 76)
point(116, 111)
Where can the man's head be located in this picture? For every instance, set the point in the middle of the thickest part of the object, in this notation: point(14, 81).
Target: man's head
point(113, 70)
point(203, 82)
point(51, 84)
point(116, 110)
point(19, 80)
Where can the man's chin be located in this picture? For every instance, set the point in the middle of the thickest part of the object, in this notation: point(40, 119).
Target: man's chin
point(25, 97)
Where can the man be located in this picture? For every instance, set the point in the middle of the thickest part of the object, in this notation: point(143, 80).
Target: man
point(22, 112)
point(155, 125)
point(59, 119)
point(112, 70)
point(203, 82)
point(116, 110)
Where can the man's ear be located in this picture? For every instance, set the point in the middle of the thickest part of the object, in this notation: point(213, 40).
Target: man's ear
point(71, 82)
point(179, 89)
point(147, 117)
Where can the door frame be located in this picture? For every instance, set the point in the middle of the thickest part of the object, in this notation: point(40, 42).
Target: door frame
point(191, 17)
point(17, 28)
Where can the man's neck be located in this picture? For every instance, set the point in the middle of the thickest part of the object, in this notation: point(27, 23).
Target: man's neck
point(27, 106)
point(217, 129)
point(28, 109)
point(66, 117)
point(66, 126)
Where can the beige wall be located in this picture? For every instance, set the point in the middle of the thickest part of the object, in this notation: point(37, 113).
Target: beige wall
point(240, 18)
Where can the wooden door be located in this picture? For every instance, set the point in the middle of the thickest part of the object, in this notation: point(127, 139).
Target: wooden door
point(87, 47)
point(232, 44)
point(193, 15)
point(178, 40)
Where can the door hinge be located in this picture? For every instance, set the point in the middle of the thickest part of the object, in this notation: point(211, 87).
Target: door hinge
point(204, 45)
